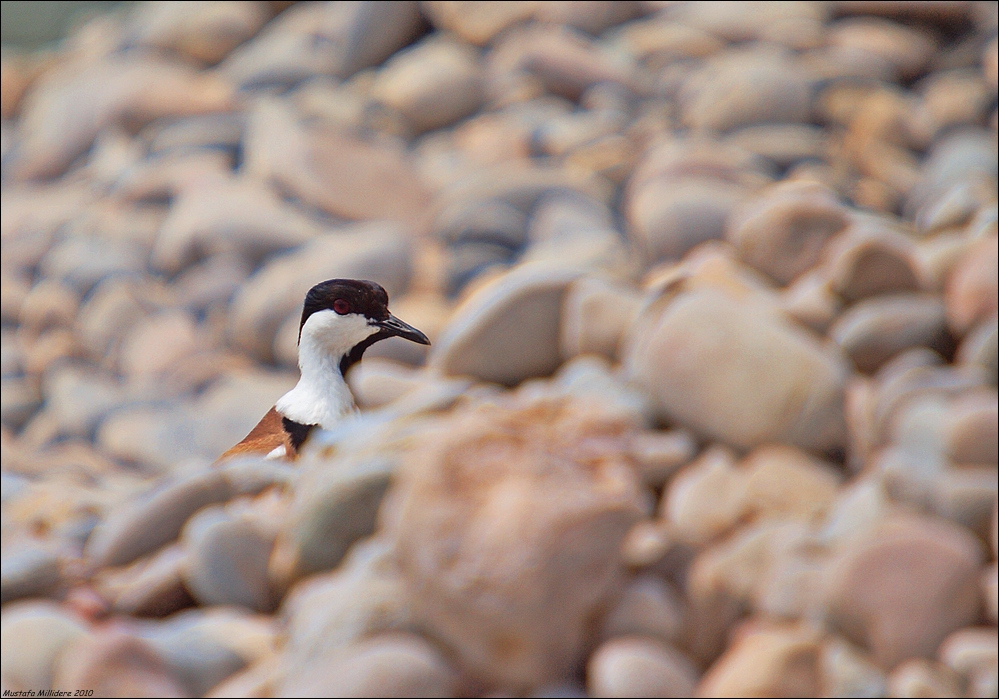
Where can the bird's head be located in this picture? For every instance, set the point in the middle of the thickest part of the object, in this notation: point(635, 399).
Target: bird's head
point(343, 317)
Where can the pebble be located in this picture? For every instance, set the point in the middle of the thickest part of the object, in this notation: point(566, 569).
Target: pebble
point(903, 50)
point(157, 343)
point(70, 105)
point(151, 586)
point(313, 164)
point(972, 287)
point(919, 677)
point(477, 22)
point(596, 313)
point(779, 660)
point(972, 427)
point(970, 652)
point(783, 230)
point(202, 647)
point(204, 33)
point(433, 84)
point(333, 508)
point(389, 665)
point(507, 330)
point(876, 329)
point(705, 498)
point(872, 598)
point(639, 667)
point(221, 214)
point(142, 527)
point(33, 635)
point(868, 259)
point(29, 571)
point(659, 454)
point(491, 592)
point(782, 481)
point(847, 671)
point(360, 598)
point(719, 96)
point(649, 606)
point(227, 558)
point(706, 328)
point(116, 664)
point(979, 349)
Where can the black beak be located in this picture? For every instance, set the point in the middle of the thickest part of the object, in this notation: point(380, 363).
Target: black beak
point(394, 326)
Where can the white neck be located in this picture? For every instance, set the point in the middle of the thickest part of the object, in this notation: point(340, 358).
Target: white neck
point(321, 396)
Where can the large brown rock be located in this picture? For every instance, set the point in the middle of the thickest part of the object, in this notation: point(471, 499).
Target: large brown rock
point(727, 370)
point(901, 590)
point(508, 523)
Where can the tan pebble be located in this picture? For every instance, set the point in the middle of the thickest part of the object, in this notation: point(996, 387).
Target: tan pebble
point(874, 330)
point(969, 650)
point(875, 599)
point(782, 660)
point(477, 22)
point(205, 33)
point(151, 586)
point(847, 671)
point(639, 667)
point(387, 665)
point(762, 365)
point(990, 591)
point(706, 498)
point(971, 290)
point(649, 606)
point(782, 481)
point(811, 301)
point(781, 231)
point(660, 454)
point(905, 49)
point(919, 677)
point(116, 664)
point(973, 424)
point(32, 636)
point(595, 315)
point(868, 259)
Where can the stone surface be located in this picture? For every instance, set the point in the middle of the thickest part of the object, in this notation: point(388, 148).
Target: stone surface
point(782, 230)
point(902, 590)
point(227, 556)
point(516, 526)
point(774, 661)
point(972, 287)
point(639, 667)
point(868, 259)
point(719, 95)
point(874, 330)
point(920, 677)
point(508, 330)
point(116, 665)
point(29, 572)
point(151, 586)
point(703, 359)
point(705, 498)
point(649, 606)
point(433, 84)
point(782, 481)
point(142, 527)
point(334, 508)
point(595, 316)
point(390, 665)
point(33, 635)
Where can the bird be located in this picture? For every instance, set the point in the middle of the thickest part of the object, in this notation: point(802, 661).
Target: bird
point(341, 318)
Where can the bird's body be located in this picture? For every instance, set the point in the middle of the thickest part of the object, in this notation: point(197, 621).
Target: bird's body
point(340, 319)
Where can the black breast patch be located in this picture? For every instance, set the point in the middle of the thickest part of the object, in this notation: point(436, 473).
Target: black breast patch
point(297, 432)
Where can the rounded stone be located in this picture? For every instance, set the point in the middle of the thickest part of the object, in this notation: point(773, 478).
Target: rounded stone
point(639, 667)
point(903, 589)
point(743, 377)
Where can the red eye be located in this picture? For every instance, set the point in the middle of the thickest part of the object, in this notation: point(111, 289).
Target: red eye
point(342, 307)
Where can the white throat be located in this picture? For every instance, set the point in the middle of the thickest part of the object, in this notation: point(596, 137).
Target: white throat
point(321, 396)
